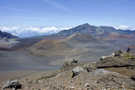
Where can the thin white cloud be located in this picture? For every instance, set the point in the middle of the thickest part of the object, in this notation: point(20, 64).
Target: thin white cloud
point(57, 5)
point(124, 27)
point(8, 28)
point(28, 31)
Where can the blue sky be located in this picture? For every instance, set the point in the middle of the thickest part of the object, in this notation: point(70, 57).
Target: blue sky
point(67, 12)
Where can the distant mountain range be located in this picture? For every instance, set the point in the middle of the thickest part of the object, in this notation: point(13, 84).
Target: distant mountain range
point(88, 42)
point(7, 40)
point(85, 41)
point(95, 31)
point(6, 35)
point(30, 31)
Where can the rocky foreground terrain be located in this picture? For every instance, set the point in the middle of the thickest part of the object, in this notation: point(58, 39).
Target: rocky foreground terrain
point(112, 72)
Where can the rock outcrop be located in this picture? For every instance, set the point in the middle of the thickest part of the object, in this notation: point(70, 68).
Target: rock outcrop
point(115, 72)
point(14, 84)
point(77, 70)
point(120, 59)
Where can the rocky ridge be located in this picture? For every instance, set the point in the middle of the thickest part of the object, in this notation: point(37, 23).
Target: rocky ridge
point(113, 72)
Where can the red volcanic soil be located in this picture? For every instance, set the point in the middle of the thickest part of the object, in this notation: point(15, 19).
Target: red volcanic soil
point(114, 36)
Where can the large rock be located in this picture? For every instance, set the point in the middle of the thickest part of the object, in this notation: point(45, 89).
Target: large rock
point(12, 84)
point(69, 64)
point(125, 60)
point(77, 71)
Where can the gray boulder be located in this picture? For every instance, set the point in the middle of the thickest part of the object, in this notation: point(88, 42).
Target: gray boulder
point(14, 84)
point(76, 71)
point(133, 77)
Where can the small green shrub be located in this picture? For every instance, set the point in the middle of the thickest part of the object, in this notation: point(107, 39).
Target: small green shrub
point(129, 56)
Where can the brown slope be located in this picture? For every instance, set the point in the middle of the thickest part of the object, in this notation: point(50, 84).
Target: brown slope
point(116, 36)
point(50, 48)
point(78, 37)
point(71, 46)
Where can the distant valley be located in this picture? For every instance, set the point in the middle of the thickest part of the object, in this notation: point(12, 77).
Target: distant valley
point(85, 42)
